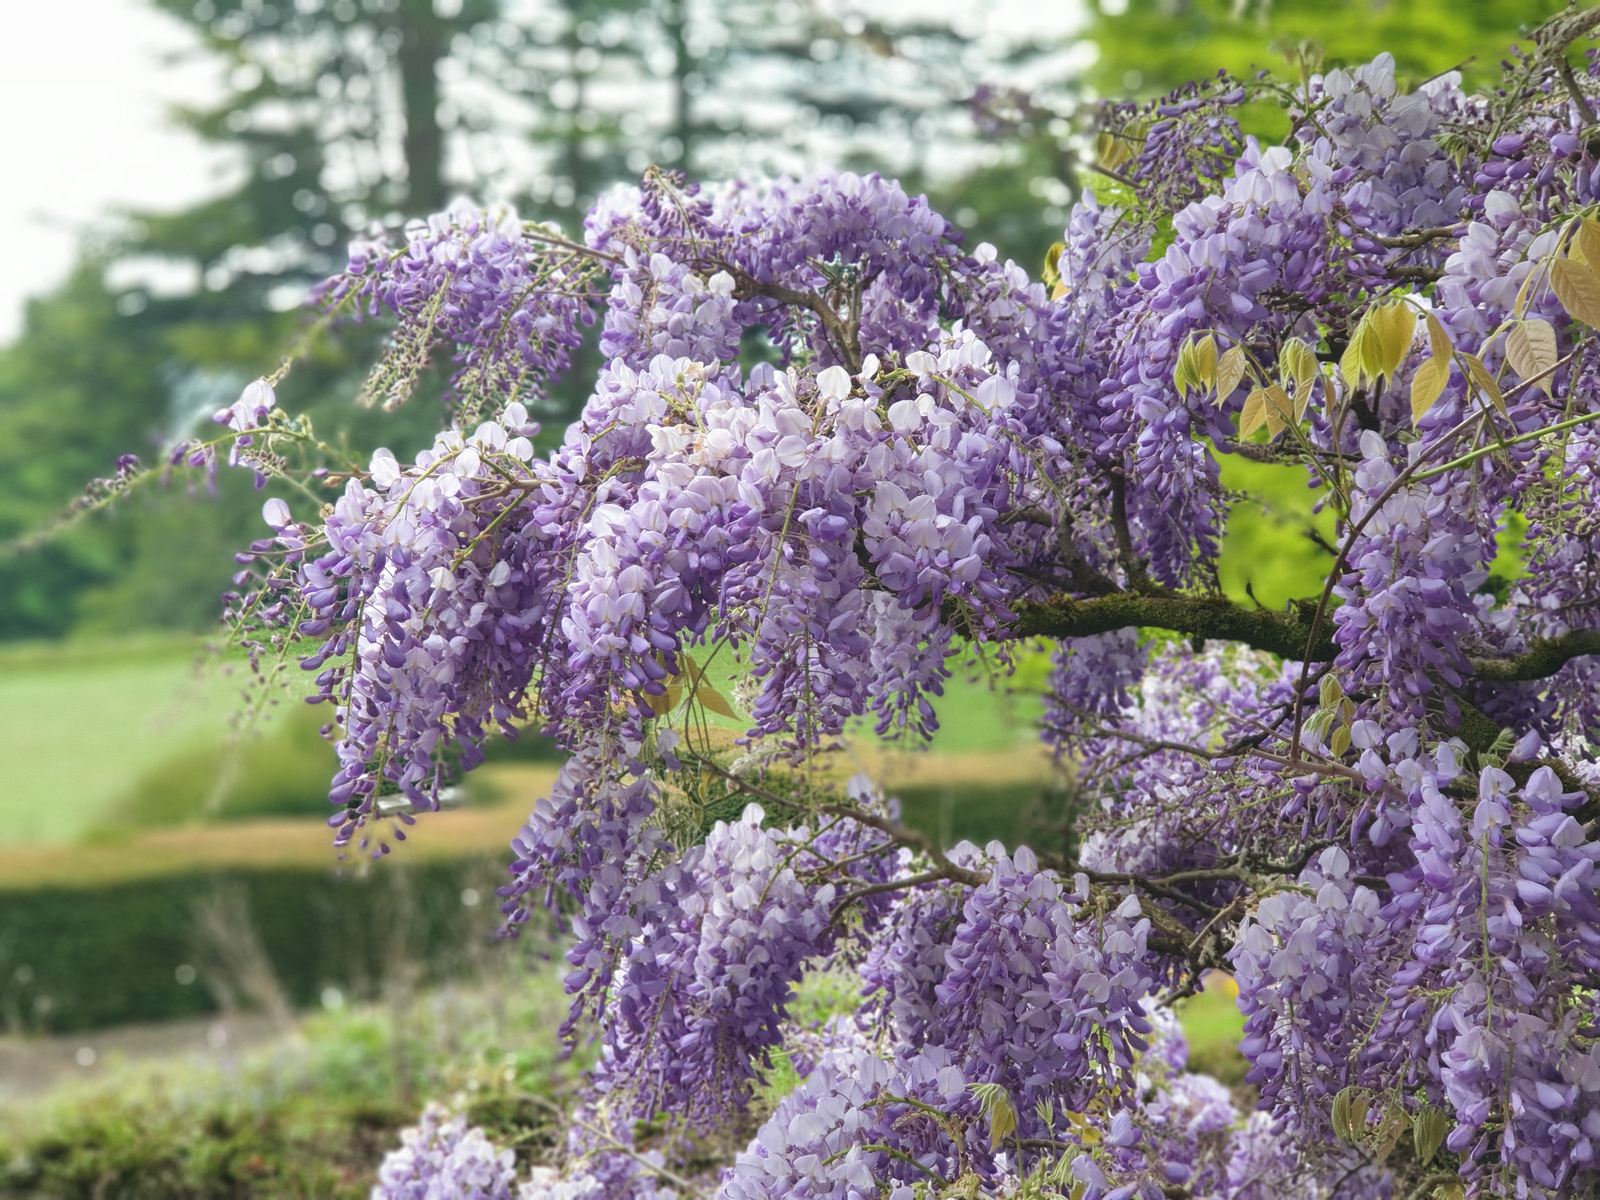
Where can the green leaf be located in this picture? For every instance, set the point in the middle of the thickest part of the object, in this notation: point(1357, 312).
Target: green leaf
point(1349, 1114)
point(1428, 1130)
point(1390, 1130)
point(1531, 351)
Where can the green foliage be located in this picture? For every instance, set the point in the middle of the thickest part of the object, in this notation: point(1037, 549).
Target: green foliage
point(59, 428)
point(1276, 544)
point(1151, 46)
point(310, 1117)
point(317, 929)
point(818, 998)
point(1030, 813)
point(1213, 1026)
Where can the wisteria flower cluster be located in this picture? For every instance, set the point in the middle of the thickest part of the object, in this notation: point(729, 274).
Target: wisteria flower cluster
point(443, 1158)
point(830, 449)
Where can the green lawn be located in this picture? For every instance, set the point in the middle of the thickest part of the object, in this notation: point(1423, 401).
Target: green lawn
point(84, 721)
point(107, 737)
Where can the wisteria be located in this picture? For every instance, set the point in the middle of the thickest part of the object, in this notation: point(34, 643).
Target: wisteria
point(443, 1158)
point(833, 455)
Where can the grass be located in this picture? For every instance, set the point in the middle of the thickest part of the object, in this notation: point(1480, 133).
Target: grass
point(135, 735)
point(1213, 1025)
point(85, 719)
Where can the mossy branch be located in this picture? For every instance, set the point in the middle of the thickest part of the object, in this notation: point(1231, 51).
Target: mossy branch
point(1284, 633)
point(1208, 617)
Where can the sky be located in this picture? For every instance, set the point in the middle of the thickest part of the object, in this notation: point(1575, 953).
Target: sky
point(84, 90)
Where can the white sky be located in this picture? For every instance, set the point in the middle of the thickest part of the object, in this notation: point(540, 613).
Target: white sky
point(83, 94)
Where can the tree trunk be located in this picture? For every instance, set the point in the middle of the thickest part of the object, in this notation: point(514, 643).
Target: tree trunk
point(422, 45)
point(676, 22)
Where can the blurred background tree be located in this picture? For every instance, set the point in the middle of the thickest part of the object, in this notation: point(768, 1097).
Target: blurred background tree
point(336, 114)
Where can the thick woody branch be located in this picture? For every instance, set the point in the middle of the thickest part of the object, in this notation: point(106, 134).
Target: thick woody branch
point(1283, 633)
point(1209, 617)
point(1544, 658)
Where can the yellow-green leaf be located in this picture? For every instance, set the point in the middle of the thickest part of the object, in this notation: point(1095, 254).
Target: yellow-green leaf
point(1340, 741)
point(1279, 410)
point(1390, 330)
point(664, 702)
point(1230, 371)
point(1052, 263)
point(714, 700)
point(1578, 289)
point(1002, 1120)
point(1183, 377)
point(1297, 364)
point(1587, 243)
point(1438, 340)
point(1205, 361)
point(1254, 413)
point(1330, 691)
point(1531, 351)
point(1483, 379)
point(1302, 396)
point(1352, 363)
point(700, 689)
point(1427, 385)
point(1112, 150)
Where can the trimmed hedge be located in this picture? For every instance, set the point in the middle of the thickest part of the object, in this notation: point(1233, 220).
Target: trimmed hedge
point(89, 957)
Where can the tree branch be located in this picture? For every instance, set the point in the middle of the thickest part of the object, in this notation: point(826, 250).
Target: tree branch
point(1210, 617)
point(841, 332)
point(1282, 633)
point(1544, 658)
